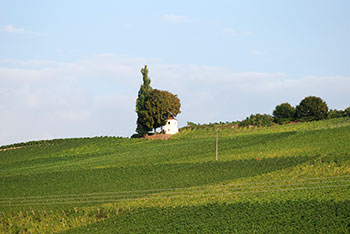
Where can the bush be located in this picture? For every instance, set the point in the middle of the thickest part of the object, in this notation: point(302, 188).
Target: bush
point(333, 113)
point(283, 113)
point(257, 120)
point(136, 135)
point(192, 124)
point(312, 108)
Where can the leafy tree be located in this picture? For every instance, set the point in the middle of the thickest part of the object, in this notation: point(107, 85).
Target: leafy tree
point(153, 106)
point(311, 108)
point(159, 106)
point(283, 113)
point(347, 111)
point(257, 120)
point(142, 115)
point(333, 113)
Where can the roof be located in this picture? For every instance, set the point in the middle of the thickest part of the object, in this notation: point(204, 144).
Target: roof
point(171, 117)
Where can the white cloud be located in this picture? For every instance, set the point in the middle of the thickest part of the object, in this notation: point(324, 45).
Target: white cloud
point(12, 29)
point(96, 96)
point(176, 19)
point(73, 115)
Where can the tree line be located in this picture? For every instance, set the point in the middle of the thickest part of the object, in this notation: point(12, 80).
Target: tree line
point(153, 106)
point(311, 108)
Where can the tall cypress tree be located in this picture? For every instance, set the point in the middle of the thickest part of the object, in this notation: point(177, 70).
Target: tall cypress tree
point(142, 114)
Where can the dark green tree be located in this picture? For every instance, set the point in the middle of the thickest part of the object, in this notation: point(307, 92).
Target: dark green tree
point(283, 113)
point(159, 106)
point(142, 114)
point(153, 106)
point(347, 111)
point(311, 108)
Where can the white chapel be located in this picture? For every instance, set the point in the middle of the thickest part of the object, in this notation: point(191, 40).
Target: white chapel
point(171, 126)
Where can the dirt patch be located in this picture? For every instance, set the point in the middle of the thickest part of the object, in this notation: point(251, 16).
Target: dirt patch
point(11, 148)
point(158, 137)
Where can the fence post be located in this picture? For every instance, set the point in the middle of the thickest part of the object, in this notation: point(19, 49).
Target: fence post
point(217, 143)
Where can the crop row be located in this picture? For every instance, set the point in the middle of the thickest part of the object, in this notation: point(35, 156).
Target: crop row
point(309, 216)
point(166, 193)
point(288, 217)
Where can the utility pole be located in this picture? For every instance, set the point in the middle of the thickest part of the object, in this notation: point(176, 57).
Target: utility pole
point(217, 143)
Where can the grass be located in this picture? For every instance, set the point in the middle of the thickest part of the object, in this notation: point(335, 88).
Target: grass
point(275, 179)
point(286, 217)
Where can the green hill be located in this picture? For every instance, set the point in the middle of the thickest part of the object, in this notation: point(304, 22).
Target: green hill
point(279, 179)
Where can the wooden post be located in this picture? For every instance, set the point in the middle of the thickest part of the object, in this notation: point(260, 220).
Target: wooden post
point(217, 143)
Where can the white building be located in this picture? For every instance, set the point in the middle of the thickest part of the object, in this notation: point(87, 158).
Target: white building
point(171, 126)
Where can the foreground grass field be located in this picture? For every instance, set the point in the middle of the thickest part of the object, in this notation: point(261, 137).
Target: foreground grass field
point(281, 179)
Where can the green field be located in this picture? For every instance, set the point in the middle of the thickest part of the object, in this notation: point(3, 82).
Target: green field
point(291, 178)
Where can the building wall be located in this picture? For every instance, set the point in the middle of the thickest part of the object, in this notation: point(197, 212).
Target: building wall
point(171, 127)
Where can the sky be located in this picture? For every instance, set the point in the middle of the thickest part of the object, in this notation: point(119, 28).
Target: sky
point(72, 68)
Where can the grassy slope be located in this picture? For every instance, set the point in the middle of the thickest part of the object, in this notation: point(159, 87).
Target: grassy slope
point(283, 178)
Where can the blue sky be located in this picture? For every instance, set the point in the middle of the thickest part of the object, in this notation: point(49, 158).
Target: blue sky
point(72, 68)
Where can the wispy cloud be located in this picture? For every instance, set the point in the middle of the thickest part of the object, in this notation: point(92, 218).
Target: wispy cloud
point(128, 26)
point(86, 97)
point(230, 31)
point(257, 52)
point(237, 33)
point(16, 30)
point(176, 19)
point(11, 29)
